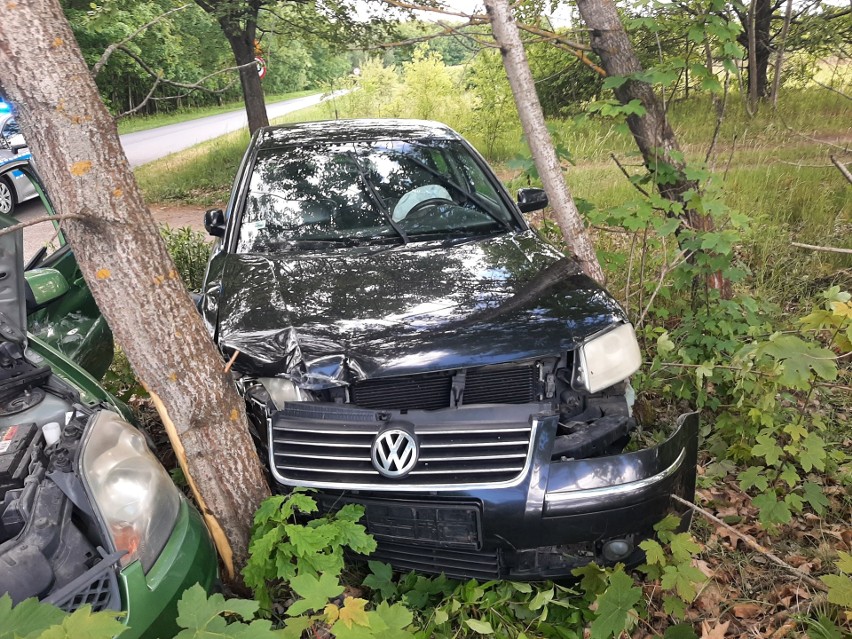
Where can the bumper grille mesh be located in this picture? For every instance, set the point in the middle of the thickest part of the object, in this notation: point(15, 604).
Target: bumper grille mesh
point(491, 385)
point(482, 565)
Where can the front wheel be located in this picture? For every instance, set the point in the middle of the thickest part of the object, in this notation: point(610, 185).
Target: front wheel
point(7, 198)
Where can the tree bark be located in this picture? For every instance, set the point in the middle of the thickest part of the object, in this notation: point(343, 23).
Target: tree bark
point(238, 21)
point(544, 154)
point(652, 132)
point(779, 56)
point(128, 268)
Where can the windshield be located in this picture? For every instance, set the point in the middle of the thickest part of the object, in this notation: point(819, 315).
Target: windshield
point(345, 194)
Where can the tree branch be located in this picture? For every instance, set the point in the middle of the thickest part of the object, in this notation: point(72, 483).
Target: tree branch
point(842, 168)
point(751, 543)
point(39, 220)
point(96, 69)
point(825, 249)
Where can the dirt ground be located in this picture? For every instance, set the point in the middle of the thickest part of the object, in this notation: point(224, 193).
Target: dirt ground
point(178, 216)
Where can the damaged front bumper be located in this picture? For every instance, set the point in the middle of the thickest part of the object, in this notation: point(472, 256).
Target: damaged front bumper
point(516, 512)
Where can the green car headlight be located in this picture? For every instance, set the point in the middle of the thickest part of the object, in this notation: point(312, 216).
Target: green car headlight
point(133, 493)
point(606, 359)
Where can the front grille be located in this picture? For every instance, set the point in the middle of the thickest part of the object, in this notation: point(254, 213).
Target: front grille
point(98, 593)
point(460, 564)
point(328, 445)
point(488, 385)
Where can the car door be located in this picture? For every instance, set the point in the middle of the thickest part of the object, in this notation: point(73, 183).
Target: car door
point(66, 317)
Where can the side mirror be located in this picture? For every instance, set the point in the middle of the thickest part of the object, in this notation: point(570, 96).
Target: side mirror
point(44, 285)
point(16, 143)
point(214, 222)
point(531, 200)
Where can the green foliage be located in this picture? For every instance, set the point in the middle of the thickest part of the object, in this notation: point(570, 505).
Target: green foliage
point(840, 586)
point(308, 555)
point(190, 251)
point(203, 617)
point(31, 619)
point(616, 612)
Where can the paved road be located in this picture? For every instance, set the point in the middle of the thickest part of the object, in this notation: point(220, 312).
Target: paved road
point(142, 147)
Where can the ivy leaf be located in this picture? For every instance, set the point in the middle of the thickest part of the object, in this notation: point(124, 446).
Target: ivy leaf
point(480, 626)
point(815, 497)
point(353, 612)
point(314, 592)
point(28, 619)
point(615, 606)
point(772, 511)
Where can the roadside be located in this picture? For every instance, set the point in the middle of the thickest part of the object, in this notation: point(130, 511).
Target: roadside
point(133, 124)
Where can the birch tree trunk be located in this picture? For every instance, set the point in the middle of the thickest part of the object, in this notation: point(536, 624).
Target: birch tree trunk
point(127, 267)
point(543, 152)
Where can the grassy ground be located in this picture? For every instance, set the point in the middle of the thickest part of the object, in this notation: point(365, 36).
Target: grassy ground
point(143, 122)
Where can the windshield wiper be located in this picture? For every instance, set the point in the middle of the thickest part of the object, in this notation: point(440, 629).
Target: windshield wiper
point(477, 199)
point(368, 187)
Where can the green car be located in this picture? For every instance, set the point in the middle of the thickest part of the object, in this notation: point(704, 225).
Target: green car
point(87, 513)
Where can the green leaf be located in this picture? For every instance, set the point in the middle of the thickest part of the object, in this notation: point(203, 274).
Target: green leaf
point(477, 625)
point(680, 631)
point(314, 592)
point(615, 606)
point(654, 553)
point(815, 497)
point(674, 606)
point(396, 616)
point(683, 547)
point(839, 589)
point(772, 511)
point(614, 81)
point(682, 579)
point(295, 626)
point(593, 578)
point(812, 454)
point(196, 611)
point(844, 562)
point(768, 448)
point(28, 619)
point(754, 477)
point(789, 475)
point(85, 623)
point(380, 579)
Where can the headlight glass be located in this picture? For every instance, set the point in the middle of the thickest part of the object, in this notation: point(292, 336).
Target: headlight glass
point(133, 493)
point(607, 359)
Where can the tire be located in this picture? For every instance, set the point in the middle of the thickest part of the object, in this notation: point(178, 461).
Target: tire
point(7, 198)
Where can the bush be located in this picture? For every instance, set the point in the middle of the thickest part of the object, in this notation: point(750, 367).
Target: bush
point(190, 251)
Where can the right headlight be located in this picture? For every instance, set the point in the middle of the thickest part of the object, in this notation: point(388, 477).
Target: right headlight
point(134, 494)
point(606, 359)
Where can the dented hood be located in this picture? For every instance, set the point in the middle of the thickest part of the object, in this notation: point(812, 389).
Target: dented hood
point(330, 318)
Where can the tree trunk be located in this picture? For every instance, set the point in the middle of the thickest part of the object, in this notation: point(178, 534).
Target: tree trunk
point(543, 152)
point(239, 24)
point(243, 47)
point(652, 132)
point(128, 269)
point(779, 59)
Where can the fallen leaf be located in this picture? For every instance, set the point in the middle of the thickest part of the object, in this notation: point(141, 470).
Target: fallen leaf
point(716, 632)
point(746, 610)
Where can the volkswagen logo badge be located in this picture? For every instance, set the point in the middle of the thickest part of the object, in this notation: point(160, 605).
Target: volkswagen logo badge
point(394, 452)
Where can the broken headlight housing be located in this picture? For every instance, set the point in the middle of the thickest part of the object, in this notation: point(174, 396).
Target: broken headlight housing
point(606, 358)
point(134, 494)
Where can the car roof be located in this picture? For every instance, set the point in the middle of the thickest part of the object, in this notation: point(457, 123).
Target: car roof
point(361, 130)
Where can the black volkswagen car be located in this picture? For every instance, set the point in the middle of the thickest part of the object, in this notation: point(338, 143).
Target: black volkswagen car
point(404, 340)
